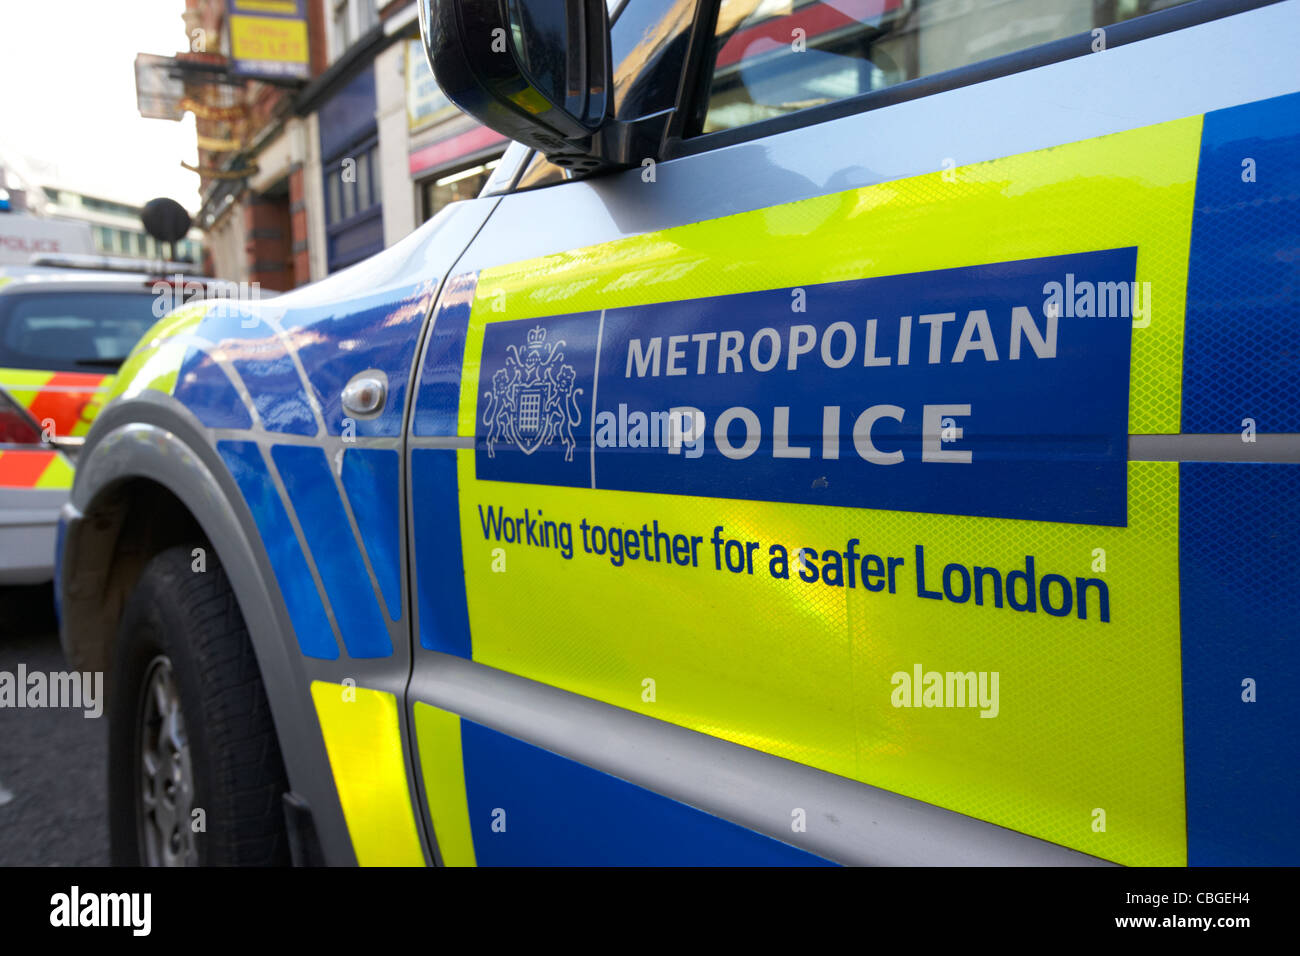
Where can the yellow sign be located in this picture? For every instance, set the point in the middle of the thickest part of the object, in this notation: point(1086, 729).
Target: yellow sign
point(268, 45)
point(287, 8)
point(215, 145)
point(426, 104)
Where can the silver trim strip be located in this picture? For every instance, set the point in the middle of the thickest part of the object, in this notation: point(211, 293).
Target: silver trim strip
point(441, 441)
point(847, 821)
point(1265, 448)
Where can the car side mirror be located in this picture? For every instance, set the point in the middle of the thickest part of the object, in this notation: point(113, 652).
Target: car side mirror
point(537, 71)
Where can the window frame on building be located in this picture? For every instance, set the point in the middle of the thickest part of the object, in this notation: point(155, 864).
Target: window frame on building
point(337, 191)
point(347, 21)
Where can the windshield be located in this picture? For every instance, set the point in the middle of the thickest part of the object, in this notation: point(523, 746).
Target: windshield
point(72, 331)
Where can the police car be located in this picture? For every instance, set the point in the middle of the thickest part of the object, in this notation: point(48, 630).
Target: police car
point(859, 431)
point(63, 332)
point(67, 321)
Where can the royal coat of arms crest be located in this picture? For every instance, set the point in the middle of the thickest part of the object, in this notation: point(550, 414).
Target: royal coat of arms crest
point(533, 400)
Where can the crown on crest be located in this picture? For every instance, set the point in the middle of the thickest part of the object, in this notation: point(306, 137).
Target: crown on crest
point(536, 337)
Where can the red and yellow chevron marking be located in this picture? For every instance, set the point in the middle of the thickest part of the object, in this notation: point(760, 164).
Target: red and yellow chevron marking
point(68, 399)
point(34, 469)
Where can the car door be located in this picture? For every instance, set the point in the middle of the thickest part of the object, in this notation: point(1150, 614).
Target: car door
point(841, 483)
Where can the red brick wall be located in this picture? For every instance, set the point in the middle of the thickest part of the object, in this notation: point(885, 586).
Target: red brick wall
point(317, 51)
point(268, 242)
point(298, 226)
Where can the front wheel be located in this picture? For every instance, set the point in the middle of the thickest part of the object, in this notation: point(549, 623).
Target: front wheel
point(195, 772)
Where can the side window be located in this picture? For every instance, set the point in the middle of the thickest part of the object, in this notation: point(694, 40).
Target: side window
point(648, 47)
point(773, 57)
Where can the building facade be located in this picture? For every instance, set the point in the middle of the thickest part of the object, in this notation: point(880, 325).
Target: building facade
point(33, 190)
point(116, 227)
point(309, 177)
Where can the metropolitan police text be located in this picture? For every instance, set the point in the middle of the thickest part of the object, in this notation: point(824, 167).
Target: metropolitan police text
point(683, 428)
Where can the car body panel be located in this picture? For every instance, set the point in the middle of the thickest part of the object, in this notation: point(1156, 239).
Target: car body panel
point(822, 711)
point(1126, 172)
point(169, 404)
point(28, 521)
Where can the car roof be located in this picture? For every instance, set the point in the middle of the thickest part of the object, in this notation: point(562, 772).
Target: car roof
point(31, 278)
point(56, 278)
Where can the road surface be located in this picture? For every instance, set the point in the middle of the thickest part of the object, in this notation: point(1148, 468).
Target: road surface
point(53, 762)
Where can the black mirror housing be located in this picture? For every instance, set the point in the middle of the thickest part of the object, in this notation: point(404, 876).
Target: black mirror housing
point(537, 71)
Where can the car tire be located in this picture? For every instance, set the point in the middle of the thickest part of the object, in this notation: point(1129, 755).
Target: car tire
point(195, 771)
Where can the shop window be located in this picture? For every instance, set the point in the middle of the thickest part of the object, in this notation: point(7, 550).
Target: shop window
point(450, 187)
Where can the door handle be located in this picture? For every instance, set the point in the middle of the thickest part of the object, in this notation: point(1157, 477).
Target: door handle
point(365, 394)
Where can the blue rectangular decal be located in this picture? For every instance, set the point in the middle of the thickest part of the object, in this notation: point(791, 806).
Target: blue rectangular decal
point(439, 569)
point(1239, 587)
point(531, 807)
point(997, 390)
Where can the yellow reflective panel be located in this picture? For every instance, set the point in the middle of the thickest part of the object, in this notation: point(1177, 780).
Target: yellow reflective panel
point(364, 744)
point(1085, 714)
point(155, 369)
point(441, 765)
point(1129, 189)
point(1072, 730)
point(93, 407)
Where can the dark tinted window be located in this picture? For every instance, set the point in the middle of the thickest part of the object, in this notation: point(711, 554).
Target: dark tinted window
point(648, 46)
point(72, 331)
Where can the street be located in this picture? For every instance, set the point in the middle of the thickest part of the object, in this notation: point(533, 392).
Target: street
point(52, 760)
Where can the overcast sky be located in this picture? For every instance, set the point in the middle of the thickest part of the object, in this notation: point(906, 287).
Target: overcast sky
point(67, 97)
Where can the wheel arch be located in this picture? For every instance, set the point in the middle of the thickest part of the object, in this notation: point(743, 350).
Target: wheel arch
point(148, 477)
